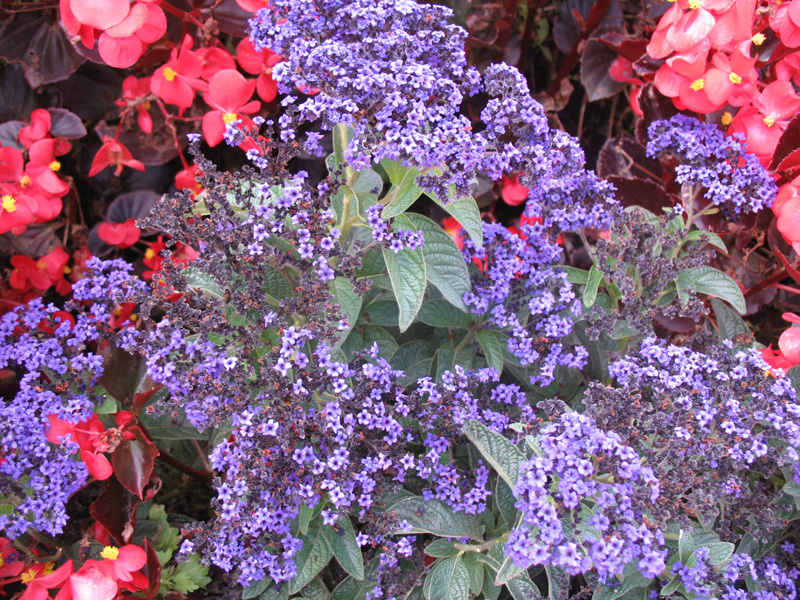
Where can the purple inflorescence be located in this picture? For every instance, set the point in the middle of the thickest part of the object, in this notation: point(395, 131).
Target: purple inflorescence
point(523, 274)
point(588, 478)
point(730, 178)
point(59, 373)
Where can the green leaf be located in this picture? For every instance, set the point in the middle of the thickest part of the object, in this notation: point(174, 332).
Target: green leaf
point(276, 594)
point(490, 590)
point(719, 552)
point(685, 545)
point(353, 589)
point(415, 359)
point(710, 281)
point(491, 349)
point(436, 517)
point(316, 590)
point(363, 336)
point(708, 237)
point(576, 276)
point(475, 569)
point(445, 266)
point(466, 212)
point(407, 273)
point(404, 191)
point(381, 312)
point(311, 559)
point(205, 282)
point(275, 283)
point(342, 541)
point(441, 548)
point(256, 588)
point(186, 577)
point(730, 324)
point(349, 304)
point(497, 449)
point(441, 313)
point(522, 588)
point(447, 358)
point(447, 580)
point(507, 571)
point(670, 588)
point(558, 581)
point(592, 285)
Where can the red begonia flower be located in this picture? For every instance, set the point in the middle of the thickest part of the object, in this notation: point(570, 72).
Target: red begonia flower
point(9, 565)
point(514, 193)
point(17, 211)
point(122, 564)
point(42, 168)
point(122, 51)
point(38, 129)
point(177, 80)
point(112, 152)
point(92, 439)
point(39, 579)
point(252, 6)
point(259, 63)
point(228, 93)
point(215, 60)
point(11, 164)
point(75, 27)
point(123, 235)
point(785, 21)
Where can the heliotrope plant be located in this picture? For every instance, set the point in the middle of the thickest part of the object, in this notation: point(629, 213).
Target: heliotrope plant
point(373, 408)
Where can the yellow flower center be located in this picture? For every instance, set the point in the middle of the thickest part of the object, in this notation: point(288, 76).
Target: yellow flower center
point(694, 4)
point(759, 39)
point(132, 317)
point(28, 576)
point(769, 120)
point(726, 118)
point(9, 203)
point(41, 265)
point(169, 74)
point(149, 253)
point(734, 79)
point(67, 270)
point(698, 84)
point(55, 165)
point(229, 117)
point(25, 181)
point(110, 552)
point(2, 562)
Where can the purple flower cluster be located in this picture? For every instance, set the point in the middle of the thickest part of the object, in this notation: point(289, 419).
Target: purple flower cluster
point(729, 177)
point(394, 71)
point(583, 498)
point(339, 435)
point(583, 201)
point(521, 291)
point(705, 582)
point(58, 377)
point(394, 239)
point(711, 419)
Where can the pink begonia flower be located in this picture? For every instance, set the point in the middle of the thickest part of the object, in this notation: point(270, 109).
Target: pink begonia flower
point(732, 80)
point(228, 94)
point(89, 583)
point(763, 122)
point(178, 80)
point(785, 21)
point(99, 14)
point(122, 45)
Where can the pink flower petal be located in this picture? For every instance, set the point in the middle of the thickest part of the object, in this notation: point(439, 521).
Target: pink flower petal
point(100, 14)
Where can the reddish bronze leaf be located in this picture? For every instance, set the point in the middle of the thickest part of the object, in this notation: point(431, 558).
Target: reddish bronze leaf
point(787, 145)
point(115, 509)
point(133, 461)
point(152, 569)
